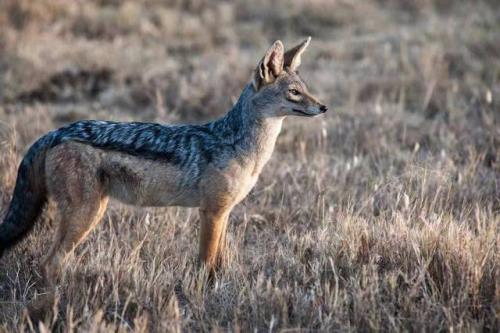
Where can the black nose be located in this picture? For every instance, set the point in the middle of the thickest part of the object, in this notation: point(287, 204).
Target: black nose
point(323, 108)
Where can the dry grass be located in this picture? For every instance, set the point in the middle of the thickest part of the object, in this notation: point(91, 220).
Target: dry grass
point(382, 216)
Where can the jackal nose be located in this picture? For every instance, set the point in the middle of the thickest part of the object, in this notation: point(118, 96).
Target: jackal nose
point(323, 108)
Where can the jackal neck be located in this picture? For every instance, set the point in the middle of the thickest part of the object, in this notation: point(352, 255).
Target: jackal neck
point(245, 126)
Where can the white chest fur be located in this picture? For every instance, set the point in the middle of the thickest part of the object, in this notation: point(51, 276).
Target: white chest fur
point(237, 179)
point(265, 144)
point(260, 156)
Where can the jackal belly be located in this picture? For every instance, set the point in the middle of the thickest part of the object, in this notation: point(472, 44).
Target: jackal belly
point(143, 182)
point(130, 179)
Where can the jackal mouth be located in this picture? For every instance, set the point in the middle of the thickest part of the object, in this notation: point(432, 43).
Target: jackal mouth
point(304, 113)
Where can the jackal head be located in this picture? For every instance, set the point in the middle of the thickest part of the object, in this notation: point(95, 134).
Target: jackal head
point(279, 90)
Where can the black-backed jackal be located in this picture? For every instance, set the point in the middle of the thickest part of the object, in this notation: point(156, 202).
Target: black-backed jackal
point(211, 166)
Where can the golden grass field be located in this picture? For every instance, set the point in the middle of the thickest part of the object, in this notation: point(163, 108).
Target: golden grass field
point(382, 215)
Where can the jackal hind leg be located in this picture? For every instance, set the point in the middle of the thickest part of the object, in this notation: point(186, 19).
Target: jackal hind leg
point(79, 191)
point(74, 224)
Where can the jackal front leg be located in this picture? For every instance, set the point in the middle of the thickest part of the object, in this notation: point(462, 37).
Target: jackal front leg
point(213, 227)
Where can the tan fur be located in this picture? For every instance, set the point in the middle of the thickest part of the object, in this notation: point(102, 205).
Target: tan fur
point(222, 190)
point(80, 178)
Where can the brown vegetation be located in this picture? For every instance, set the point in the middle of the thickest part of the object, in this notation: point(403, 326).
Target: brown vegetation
point(382, 215)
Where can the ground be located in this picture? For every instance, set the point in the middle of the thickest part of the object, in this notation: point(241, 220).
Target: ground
point(381, 215)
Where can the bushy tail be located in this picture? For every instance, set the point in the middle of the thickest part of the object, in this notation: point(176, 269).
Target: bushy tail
point(29, 196)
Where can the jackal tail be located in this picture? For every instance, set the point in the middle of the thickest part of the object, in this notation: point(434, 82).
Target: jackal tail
point(29, 195)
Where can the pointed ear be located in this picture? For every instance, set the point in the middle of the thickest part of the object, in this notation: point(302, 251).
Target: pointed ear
point(270, 67)
point(292, 56)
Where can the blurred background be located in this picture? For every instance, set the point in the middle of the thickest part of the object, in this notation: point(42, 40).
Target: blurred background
point(421, 74)
point(403, 170)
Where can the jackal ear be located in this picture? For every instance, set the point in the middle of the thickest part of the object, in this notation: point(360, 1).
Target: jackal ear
point(270, 67)
point(292, 56)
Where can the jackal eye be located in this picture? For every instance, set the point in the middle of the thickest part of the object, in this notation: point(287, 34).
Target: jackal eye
point(294, 92)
